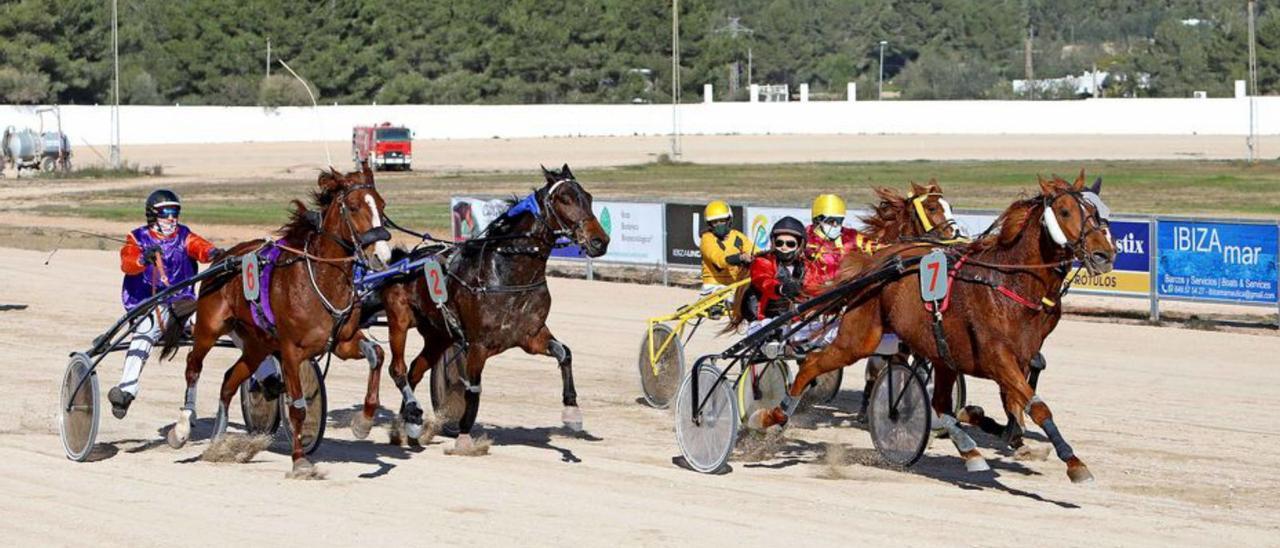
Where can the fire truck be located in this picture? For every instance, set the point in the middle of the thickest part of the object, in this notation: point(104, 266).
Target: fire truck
point(385, 146)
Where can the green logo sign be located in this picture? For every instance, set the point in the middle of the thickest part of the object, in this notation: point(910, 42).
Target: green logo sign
point(606, 221)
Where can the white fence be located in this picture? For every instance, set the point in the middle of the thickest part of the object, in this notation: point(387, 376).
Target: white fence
point(190, 125)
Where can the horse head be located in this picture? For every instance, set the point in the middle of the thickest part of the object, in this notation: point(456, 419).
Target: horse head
point(568, 211)
point(353, 213)
point(930, 212)
point(1076, 219)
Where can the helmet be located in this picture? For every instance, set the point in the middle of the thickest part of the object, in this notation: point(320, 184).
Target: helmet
point(717, 210)
point(828, 205)
point(788, 225)
point(159, 199)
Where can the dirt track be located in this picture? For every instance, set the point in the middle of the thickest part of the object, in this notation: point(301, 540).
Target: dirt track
point(1177, 425)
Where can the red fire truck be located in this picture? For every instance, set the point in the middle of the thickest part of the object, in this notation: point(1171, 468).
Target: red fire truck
point(385, 146)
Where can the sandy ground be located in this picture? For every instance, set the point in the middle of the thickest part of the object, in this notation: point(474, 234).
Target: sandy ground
point(301, 159)
point(1177, 425)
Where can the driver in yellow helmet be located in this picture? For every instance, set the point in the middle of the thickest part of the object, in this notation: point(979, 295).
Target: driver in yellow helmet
point(726, 251)
point(828, 241)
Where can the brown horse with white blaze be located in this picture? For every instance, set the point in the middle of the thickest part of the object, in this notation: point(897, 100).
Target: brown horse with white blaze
point(996, 285)
point(311, 293)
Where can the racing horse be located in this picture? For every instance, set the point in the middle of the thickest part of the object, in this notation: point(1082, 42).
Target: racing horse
point(310, 293)
point(497, 299)
point(996, 287)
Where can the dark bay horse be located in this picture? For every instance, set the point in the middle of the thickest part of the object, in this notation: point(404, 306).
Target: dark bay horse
point(311, 293)
point(497, 298)
point(996, 289)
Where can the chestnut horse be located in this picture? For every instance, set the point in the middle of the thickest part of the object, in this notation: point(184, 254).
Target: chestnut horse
point(996, 289)
point(497, 298)
point(311, 294)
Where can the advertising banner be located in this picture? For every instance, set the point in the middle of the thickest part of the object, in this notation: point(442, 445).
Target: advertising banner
point(1131, 275)
point(1217, 261)
point(471, 215)
point(684, 232)
point(635, 233)
point(761, 218)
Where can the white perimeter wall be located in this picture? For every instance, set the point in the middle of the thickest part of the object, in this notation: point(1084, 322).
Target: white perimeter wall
point(174, 125)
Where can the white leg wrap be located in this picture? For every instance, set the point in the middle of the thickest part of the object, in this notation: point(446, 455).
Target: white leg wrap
point(145, 336)
point(269, 367)
point(964, 443)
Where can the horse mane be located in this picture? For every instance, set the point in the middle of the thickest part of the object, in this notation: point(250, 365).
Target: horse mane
point(504, 224)
point(300, 225)
point(1006, 229)
point(884, 216)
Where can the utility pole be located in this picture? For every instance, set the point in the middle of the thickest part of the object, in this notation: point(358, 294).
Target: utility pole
point(1252, 142)
point(880, 86)
point(268, 57)
point(734, 29)
point(675, 79)
point(115, 107)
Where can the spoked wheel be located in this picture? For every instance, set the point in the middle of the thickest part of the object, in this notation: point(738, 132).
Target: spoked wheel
point(825, 389)
point(771, 380)
point(898, 415)
point(660, 385)
point(707, 440)
point(447, 389)
point(78, 410)
point(317, 407)
point(261, 416)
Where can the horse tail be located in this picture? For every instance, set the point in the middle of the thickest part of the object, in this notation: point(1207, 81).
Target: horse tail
point(737, 310)
point(172, 335)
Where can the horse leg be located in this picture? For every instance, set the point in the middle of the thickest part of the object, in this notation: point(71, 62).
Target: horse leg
point(291, 358)
point(476, 358)
point(361, 347)
point(1022, 398)
point(544, 343)
point(205, 334)
point(858, 337)
point(251, 357)
point(944, 379)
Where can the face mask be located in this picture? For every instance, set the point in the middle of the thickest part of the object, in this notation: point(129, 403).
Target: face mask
point(720, 229)
point(166, 226)
point(831, 231)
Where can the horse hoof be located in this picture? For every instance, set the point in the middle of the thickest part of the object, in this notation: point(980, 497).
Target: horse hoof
point(976, 464)
point(181, 431)
point(360, 426)
point(463, 444)
point(413, 431)
point(571, 416)
point(304, 470)
point(1079, 473)
point(970, 414)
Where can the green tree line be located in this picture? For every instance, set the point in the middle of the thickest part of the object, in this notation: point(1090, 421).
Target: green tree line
point(197, 52)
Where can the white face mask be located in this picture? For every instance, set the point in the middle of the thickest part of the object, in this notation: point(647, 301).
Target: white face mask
point(166, 226)
point(831, 231)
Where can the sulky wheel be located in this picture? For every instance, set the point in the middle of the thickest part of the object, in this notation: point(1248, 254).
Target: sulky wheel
point(261, 415)
point(959, 392)
point(659, 386)
point(898, 415)
point(317, 407)
point(769, 381)
point(79, 408)
point(447, 389)
point(706, 440)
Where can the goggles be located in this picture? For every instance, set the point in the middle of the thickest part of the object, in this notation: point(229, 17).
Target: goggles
point(168, 212)
point(785, 243)
point(833, 221)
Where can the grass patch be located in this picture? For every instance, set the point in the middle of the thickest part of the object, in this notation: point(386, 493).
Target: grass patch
point(420, 200)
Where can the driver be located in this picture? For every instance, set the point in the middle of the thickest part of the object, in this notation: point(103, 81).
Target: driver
point(157, 255)
point(726, 251)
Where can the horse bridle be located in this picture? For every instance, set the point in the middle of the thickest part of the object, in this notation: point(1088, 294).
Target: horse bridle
point(354, 246)
point(565, 230)
point(917, 203)
point(1089, 223)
